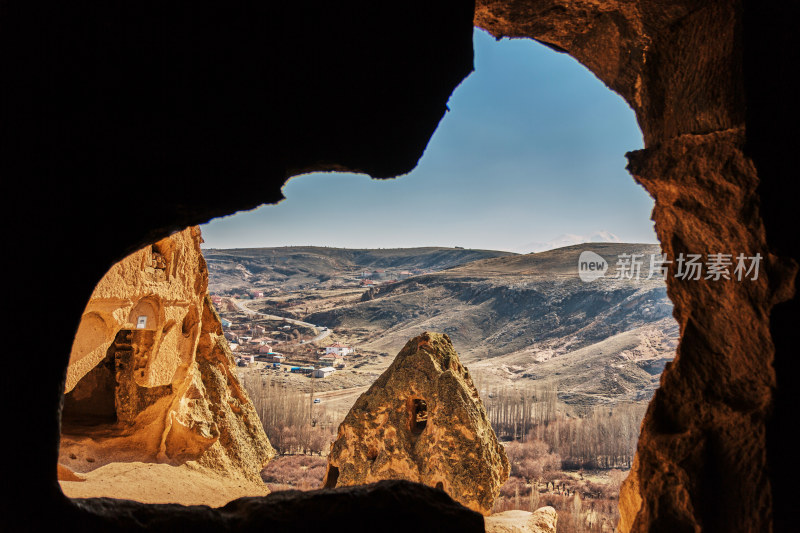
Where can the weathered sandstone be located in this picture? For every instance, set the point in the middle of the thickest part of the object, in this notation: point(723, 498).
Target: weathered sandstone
point(151, 377)
point(422, 420)
point(543, 520)
point(704, 450)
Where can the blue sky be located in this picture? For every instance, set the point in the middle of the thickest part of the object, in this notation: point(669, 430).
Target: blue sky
point(532, 148)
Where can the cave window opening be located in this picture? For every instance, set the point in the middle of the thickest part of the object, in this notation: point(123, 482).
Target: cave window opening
point(92, 402)
point(158, 258)
point(493, 202)
point(332, 478)
point(372, 453)
point(570, 179)
point(419, 415)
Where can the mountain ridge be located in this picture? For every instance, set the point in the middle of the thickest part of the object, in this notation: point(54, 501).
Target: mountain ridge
point(518, 319)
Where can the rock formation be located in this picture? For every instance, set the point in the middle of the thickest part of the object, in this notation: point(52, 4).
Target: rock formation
point(369, 294)
point(543, 520)
point(422, 420)
point(709, 452)
point(151, 377)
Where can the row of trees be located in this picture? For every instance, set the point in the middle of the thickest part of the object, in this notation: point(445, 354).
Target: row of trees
point(293, 424)
point(604, 437)
point(513, 413)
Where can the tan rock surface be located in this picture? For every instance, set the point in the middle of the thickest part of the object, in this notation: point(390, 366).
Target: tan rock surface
point(151, 379)
point(65, 474)
point(710, 448)
point(188, 484)
point(422, 420)
point(543, 520)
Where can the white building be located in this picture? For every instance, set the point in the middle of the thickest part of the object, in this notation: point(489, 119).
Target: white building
point(338, 349)
point(323, 372)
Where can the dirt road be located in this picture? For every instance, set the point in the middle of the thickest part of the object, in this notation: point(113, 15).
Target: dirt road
point(340, 400)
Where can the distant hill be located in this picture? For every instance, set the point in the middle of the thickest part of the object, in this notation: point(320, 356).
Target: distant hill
point(294, 267)
point(524, 317)
point(516, 320)
point(567, 239)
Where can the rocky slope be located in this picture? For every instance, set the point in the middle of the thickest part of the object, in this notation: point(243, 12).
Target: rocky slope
point(529, 318)
point(298, 266)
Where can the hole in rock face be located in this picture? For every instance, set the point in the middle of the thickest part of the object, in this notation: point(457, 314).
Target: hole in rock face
point(190, 322)
point(92, 401)
point(512, 293)
point(482, 242)
point(372, 453)
point(332, 477)
point(419, 415)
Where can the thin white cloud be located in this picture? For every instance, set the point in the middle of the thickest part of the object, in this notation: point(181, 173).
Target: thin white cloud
point(566, 239)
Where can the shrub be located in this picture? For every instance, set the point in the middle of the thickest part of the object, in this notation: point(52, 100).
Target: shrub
point(302, 472)
point(532, 459)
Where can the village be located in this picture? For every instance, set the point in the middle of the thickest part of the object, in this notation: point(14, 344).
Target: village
point(305, 356)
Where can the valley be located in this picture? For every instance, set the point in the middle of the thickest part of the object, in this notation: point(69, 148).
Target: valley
point(517, 321)
point(564, 367)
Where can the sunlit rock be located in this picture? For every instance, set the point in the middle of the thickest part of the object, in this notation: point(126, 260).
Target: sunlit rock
point(422, 420)
point(151, 378)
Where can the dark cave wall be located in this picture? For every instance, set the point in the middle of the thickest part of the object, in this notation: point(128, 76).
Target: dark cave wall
point(126, 121)
point(688, 69)
point(771, 88)
point(165, 115)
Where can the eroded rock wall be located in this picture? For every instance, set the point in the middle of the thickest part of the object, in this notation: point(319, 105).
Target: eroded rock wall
point(676, 63)
point(422, 420)
point(702, 456)
point(151, 377)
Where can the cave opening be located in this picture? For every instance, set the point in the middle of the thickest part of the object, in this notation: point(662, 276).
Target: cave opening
point(93, 400)
point(418, 415)
point(331, 477)
point(550, 419)
point(372, 453)
point(708, 92)
point(581, 202)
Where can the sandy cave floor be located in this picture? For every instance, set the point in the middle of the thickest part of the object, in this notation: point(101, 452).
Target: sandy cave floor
point(187, 484)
